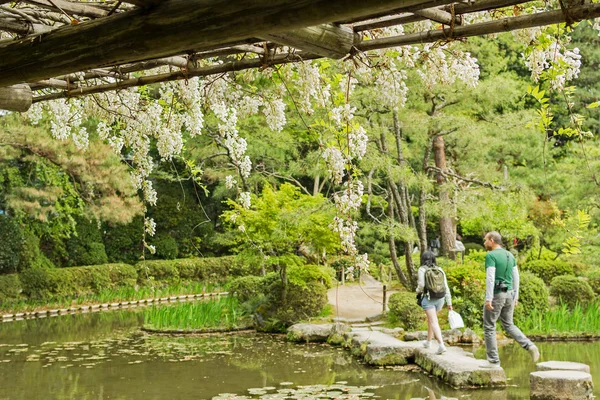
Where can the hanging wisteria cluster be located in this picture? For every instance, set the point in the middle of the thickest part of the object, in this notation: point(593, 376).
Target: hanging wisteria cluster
point(130, 120)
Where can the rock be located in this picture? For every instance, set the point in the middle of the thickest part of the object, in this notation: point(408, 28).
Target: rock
point(337, 334)
point(450, 336)
point(468, 336)
point(562, 365)
point(309, 332)
point(560, 385)
point(377, 348)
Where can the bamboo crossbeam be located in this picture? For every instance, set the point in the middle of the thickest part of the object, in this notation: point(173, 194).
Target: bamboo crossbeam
point(176, 26)
point(179, 75)
point(588, 11)
point(437, 15)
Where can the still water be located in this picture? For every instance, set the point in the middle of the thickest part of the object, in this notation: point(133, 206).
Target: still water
point(104, 356)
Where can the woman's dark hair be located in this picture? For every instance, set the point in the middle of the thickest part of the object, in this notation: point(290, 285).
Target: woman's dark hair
point(428, 258)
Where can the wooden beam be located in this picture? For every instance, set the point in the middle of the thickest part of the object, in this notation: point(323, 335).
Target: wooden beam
point(179, 75)
point(589, 11)
point(326, 40)
point(459, 9)
point(169, 28)
point(70, 7)
point(15, 98)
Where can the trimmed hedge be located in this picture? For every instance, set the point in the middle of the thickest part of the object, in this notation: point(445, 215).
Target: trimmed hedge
point(215, 269)
point(548, 269)
point(572, 290)
point(467, 286)
point(39, 283)
point(10, 287)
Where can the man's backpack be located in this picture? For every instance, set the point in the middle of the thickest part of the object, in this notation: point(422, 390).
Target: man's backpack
point(435, 284)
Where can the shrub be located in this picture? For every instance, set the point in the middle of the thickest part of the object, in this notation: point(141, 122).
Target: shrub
point(11, 240)
point(571, 290)
point(123, 243)
point(533, 294)
point(166, 246)
point(403, 307)
point(43, 283)
point(473, 247)
point(30, 255)
point(10, 287)
point(476, 256)
point(86, 247)
point(246, 287)
point(548, 269)
point(467, 286)
point(593, 278)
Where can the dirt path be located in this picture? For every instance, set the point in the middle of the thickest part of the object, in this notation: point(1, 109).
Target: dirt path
point(357, 301)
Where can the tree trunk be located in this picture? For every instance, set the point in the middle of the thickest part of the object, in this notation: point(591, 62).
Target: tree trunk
point(392, 245)
point(447, 224)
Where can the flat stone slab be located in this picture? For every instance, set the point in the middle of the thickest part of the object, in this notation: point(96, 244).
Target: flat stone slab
point(378, 348)
point(309, 332)
point(459, 368)
point(562, 365)
point(560, 385)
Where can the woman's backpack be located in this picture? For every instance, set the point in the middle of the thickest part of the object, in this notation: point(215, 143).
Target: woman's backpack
point(435, 284)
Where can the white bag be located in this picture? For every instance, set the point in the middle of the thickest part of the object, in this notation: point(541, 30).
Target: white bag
point(455, 320)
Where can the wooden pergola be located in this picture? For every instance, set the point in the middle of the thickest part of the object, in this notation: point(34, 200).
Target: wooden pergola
point(55, 49)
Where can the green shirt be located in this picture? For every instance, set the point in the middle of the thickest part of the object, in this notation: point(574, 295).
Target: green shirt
point(498, 259)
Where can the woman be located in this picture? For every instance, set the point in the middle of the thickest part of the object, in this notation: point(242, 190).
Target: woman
point(431, 305)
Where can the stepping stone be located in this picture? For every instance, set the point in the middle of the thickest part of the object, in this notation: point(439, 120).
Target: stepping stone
point(562, 365)
point(377, 348)
point(459, 368)
point(560, 385)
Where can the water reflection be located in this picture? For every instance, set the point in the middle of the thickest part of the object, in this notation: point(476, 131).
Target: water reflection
point(103, 356)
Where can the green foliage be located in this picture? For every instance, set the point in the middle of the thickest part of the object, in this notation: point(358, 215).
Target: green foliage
point(403, 307)
point(476, 256)
point(11, 240)
point(85, 247)
point(223, 312)
point(467, 285)
point(246, 287)
point(548, 269)
point(282, 221)
point(30, 255)
point(210, 269)
point(470, 247)
point(593, 278)
point(39, 283)
point(10, 287)
point(166, 246)
point(563, 320)
point(571, 290)
point(123, 243)
point(533, 294)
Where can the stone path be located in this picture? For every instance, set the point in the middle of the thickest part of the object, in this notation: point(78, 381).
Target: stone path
point(456, 367)
point(354, 301)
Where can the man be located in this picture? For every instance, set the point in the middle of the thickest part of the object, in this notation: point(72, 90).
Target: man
point(501, 297)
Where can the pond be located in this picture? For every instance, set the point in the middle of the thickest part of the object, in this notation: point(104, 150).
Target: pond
point(104, 356)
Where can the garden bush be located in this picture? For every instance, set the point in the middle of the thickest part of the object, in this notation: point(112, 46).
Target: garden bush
point(593, 278)
point(473, 247)
point(476, 256)
point(403, 307)
point(10, 287)
point(467, 286)
point(571, 290)
point(11, 240)
point(548, 269)
point(246, 287)
point(533, 294)
point(40, 283)
point(30, 255)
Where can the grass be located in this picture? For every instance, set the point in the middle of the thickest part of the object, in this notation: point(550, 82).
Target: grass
point(561, 320)
point(115, 295)
point(222, 312)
